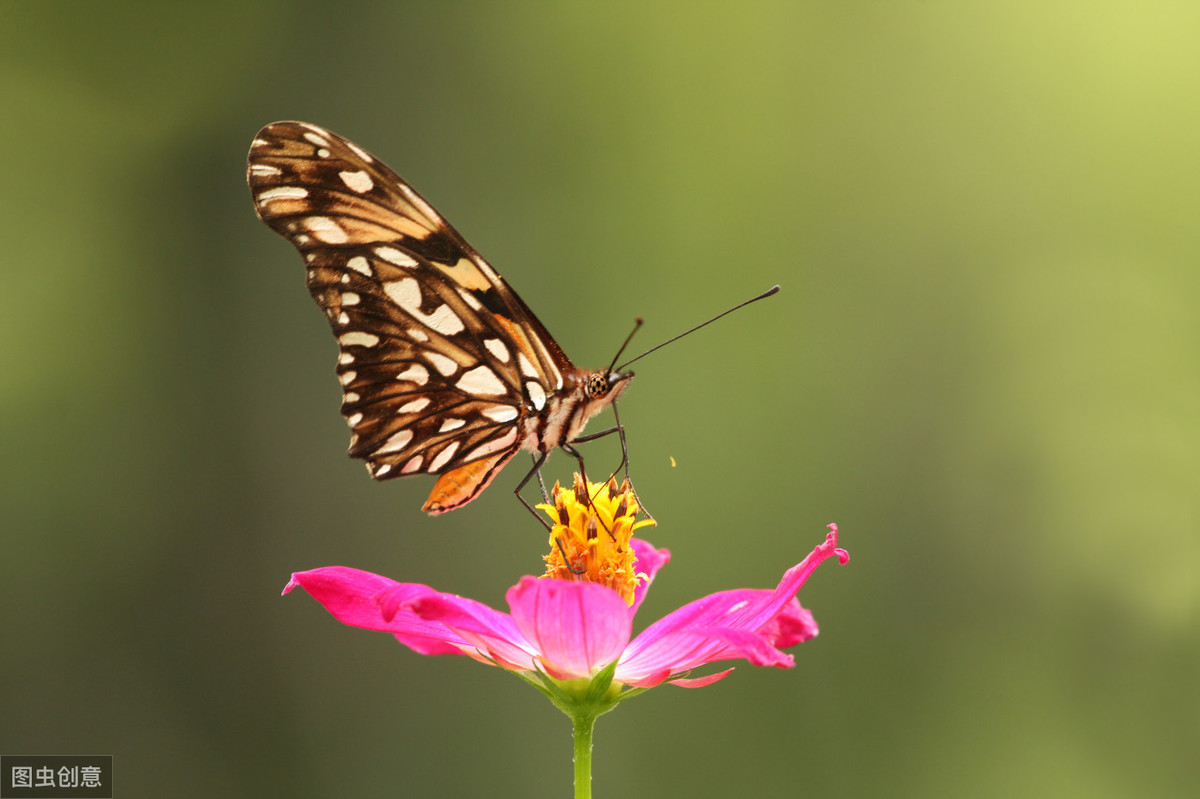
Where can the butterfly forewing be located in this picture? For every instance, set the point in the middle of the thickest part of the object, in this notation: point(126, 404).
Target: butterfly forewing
point(439, 361)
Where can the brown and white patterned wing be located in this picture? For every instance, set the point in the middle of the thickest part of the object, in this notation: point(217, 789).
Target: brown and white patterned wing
point(440, 361)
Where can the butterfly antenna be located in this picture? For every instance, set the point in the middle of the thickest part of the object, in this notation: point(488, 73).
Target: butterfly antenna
point(763, 296)
point(637, 323)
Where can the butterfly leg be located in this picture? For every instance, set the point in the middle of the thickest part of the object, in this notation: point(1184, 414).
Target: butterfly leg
point(566, 560)
point(592, 437)
point(578, 456)
point(537, 469)
point(619, 429)
point(625, 462)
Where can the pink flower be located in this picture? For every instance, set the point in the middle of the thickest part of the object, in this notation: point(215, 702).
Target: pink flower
point(572, 629)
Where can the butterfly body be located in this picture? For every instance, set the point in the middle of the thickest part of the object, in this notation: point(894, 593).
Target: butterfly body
point(444, 369)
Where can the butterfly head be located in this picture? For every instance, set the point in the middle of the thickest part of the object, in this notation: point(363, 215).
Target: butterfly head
point(596, 391)
point(592, 393)
point(606, 387)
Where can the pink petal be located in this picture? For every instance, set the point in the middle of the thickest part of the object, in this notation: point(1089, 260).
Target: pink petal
point(688, 637)
point(686, 649)
point(794, 625)
point(352, 596)
point(366, 600)
point(577, 627)
point(648, 680)
point(700, 682)
point(745, 645)
point(743, 623)
point(660, 677)
point(490, 634)
point(649, 561)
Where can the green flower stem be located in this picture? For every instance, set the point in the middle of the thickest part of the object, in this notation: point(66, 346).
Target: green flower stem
point(584, 725)
point(583, 701)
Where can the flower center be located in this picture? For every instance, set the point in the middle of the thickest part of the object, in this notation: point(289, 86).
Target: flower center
point(593, 525)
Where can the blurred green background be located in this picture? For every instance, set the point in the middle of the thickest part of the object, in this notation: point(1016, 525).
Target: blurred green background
point(983, 365)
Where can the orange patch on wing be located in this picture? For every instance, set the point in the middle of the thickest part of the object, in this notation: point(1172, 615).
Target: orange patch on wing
point(458, 487)
point(517, 335)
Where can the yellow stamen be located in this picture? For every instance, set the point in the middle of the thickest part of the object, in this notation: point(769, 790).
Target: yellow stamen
point(590, 539)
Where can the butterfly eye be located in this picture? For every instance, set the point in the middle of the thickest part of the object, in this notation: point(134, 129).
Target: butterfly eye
point(597, 386)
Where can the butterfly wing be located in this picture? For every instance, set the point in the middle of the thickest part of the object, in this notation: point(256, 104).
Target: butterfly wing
point(440, 361)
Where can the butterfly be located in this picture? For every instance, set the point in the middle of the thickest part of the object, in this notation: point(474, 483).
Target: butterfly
point(444, 369)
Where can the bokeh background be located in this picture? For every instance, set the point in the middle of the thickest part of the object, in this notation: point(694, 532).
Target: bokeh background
point(983, 365)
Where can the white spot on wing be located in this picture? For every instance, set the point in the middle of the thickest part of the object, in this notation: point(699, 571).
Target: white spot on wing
point(326, 230)
point(406, 293)
point(446, 366)
point(395, 442)
point(394, 256)
point(360, 152)
point(354, 419)
point(469, 299)
point(381, 469)
point(501, 413)
point(317, 139)
point(413, 464)
point(495, 445)
point(345, 358)
point(317, 130)
point(481, 380)
point(265, 170)
point(416, 373)
point(346, 378)
point(537, 394)
point(358, 338)
point(343, 318)
point(349, 297)
point(443, 320)
point(526, 367)
point(450, 423)
point(496, 347)
point(283, 193)
point(418, 404)
point(358, 181)
point(444, 456)
point(360, 264)
point(350, 397)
